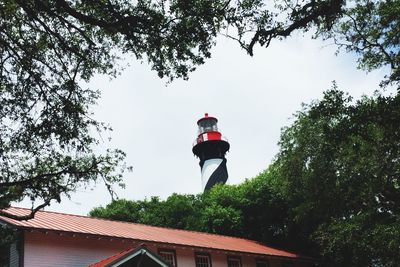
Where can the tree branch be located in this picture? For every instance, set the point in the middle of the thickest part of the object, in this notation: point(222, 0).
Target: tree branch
point(325, 9)
point(24, 217)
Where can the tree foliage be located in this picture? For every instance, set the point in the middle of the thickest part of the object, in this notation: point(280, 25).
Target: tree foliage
point(8, 237)
point(178, 211)
point(332, 192)
point(340, 162)
point(371, 28)
point(253, 209)
point(48, 50)
point(333, 189)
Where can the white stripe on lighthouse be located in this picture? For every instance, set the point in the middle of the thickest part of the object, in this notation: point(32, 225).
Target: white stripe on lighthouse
point(208, 169)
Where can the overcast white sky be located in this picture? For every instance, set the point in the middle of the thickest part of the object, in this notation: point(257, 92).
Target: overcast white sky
point(253, 98)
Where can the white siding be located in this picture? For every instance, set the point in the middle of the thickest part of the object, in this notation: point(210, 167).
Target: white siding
point(52, 250)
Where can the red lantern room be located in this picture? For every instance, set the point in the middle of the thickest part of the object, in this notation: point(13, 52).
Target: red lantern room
point(209, 142)
point(208, 129)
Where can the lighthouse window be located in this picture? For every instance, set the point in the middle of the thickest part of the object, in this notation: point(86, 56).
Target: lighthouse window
point(207, 126)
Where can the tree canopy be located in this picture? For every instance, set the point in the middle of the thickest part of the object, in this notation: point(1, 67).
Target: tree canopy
point(340, 164)
point(370, 28)
point(332, 191)
point(50, 48)
point(253, 209)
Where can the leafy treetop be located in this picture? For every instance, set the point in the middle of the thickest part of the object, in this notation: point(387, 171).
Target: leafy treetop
point(49, 48)
point(332, 192)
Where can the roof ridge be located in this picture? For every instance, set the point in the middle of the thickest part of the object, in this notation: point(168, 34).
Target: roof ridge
point(146, 225)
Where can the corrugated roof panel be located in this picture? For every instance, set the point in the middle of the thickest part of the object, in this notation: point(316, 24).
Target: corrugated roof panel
point(112, 258)
point(54, 221)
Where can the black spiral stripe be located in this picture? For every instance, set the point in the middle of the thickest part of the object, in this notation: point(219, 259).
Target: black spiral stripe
point(220, 175)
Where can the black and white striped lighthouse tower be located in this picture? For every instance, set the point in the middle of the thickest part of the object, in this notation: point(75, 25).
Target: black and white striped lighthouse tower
point(210, 147)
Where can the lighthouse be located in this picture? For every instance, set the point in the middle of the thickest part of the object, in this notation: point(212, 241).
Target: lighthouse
point(210, 147)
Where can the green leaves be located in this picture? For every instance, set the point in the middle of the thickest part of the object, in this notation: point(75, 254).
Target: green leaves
point(254, 209)
point(365, 239)
point(340, 163)
point(368, 28)
point(8, 237)
point(48, 49)
point(178, 211)
point(332, 192)
point(371, 29)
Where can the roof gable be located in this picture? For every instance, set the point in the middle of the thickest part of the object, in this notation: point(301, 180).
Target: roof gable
point(132, 257)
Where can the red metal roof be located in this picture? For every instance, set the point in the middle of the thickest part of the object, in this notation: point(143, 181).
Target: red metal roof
point(111, 258)
point(121, 255)
point(54, 221)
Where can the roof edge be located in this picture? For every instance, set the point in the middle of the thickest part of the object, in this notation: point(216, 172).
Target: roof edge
point(298, 256)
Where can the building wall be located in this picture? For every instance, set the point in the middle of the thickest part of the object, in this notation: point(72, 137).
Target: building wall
point(55, 250)
point(186, 258)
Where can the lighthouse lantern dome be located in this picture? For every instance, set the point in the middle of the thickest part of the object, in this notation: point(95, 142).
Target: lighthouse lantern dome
point(207, 124)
